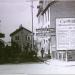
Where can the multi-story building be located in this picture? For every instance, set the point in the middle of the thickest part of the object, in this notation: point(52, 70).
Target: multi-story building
point(59, 18)
point(22, 37)
point(45, 32)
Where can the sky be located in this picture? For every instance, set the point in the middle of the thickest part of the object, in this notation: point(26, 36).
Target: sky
point(16, 12)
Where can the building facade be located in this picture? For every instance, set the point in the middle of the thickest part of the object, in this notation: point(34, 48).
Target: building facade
point(22, 37)
point(45, 32)
point(52, 12)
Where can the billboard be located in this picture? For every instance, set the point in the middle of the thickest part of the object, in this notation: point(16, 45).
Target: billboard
point(65, 33)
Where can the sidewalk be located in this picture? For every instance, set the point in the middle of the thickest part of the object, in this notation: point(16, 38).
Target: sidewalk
point(44, 59)
point(60, 62)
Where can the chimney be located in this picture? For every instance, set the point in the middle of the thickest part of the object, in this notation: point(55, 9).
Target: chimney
point(20, 26)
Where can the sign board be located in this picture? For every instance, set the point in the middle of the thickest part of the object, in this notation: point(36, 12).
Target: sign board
point(45, 32)
point(65, 33)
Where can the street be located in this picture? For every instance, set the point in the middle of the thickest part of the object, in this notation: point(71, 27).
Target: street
point(48, 67)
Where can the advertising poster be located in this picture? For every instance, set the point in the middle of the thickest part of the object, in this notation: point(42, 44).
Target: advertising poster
point(65, 33)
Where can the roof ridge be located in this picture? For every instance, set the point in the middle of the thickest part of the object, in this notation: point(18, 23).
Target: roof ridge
point(19, 30)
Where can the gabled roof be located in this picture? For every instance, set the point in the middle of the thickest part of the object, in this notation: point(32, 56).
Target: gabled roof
point(51, 3)
point(43, 10)
point(17, 30)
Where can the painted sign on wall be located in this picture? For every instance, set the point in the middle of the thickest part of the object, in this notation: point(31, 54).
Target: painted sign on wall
point(65, 33)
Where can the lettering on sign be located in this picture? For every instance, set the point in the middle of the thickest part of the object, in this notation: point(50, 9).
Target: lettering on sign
point(65, 33)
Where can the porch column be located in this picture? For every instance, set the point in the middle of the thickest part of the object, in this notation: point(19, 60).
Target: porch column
point(58, 55)
point(62, 56)
point(66, 56)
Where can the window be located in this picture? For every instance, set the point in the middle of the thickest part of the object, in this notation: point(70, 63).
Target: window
point(48, 14)
point(44, 41)
point(28, 38)
point(43, 20)
point(16, 37)
point(40, 44)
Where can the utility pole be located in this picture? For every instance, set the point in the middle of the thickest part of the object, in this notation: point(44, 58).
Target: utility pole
point(32, 24)
point(32, 21)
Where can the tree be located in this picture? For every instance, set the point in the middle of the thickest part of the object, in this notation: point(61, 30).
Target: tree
point(2, 47)
point(2, 35)
point(15, 49)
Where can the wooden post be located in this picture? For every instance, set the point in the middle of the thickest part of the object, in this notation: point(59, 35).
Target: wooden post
point(62, 56)
point(66, 56)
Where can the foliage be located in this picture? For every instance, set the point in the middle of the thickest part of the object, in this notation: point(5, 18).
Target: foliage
point(2, 35)
point(28, 54)
point(1, 50)
point(12, 54)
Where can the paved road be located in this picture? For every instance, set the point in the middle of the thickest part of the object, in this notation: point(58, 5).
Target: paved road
point(49, 67)
point(31, 68)
point(28, 68)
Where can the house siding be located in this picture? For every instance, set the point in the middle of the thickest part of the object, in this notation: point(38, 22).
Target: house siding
point(23, 38)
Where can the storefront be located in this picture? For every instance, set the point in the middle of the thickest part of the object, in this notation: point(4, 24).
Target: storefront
point(65, 38)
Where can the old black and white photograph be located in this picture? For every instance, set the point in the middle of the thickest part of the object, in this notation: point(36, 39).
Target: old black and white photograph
point(37, 37)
